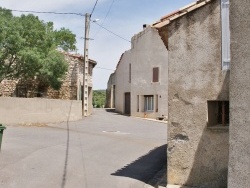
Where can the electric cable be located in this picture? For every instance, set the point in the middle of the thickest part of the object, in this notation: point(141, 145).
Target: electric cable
point(104, 68)
point(112, 32)
point(39, 12)
point(105, 18)
point(69, 13)
point(94, 8)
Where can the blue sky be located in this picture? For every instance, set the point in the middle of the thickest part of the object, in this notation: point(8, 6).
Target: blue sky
point(125, 18)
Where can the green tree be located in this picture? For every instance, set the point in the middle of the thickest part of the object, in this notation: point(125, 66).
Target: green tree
point(99, 98)
point(29, 49)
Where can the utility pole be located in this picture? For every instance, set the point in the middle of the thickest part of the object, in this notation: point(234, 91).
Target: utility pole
point(85, 93)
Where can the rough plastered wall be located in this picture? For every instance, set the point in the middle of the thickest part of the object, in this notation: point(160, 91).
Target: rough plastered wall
point(239, 160)
point(148, 51)
point(197, 155)
point(122, 82)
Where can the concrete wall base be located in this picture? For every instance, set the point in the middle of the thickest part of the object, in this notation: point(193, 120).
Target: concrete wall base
point(38, 110)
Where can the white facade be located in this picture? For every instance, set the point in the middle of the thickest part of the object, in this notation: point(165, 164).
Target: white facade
point(122, 81)
point(134, 74)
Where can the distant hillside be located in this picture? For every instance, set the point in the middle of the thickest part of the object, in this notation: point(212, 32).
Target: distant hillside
point(99, 98)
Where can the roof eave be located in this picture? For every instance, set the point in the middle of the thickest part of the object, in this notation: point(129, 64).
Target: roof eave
point(176, 14)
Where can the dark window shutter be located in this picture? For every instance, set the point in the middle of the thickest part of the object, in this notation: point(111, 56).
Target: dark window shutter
point(129, 73)
point(156, 74)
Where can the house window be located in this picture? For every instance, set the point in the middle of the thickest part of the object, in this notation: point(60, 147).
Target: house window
point(149, 103)
point(225, 35)
point(90, 69)
point(21, 91)
point(156, 74)
point(218, 113)
point(129, 73)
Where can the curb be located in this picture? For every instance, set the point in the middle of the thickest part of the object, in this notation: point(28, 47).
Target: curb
point(148, 119)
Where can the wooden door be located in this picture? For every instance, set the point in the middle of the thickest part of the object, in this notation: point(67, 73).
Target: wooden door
point(127, 103)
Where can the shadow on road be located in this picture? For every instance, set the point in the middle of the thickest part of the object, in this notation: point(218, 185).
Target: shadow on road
point(110, 110)
point(146, 167)
point(64, 178)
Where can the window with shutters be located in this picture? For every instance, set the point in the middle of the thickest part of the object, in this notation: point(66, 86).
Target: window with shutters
point(225, 43)
point(156, 74)
point(218, 113)
point(149, 103)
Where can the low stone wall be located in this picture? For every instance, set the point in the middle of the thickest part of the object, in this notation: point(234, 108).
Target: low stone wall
point(38, 110)
point(7, 88)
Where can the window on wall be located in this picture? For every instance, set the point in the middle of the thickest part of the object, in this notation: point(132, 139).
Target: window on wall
point(149, 103)
point(129, 73)
point(156, 74)
point(21, 91)
point(218, 113)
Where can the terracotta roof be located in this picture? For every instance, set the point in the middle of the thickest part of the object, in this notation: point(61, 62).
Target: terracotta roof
point(165, 20)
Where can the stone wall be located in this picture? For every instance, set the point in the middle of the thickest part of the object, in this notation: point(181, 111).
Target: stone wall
point(70, 82)
point(69, 89)
point(7, 88)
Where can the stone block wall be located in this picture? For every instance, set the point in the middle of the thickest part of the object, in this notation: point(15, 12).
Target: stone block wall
point(72, 80)
point(7, 88)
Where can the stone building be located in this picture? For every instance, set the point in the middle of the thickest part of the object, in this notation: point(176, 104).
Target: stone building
point(239, 139)
point(197, 39)
point(71, 88)
point(141, 77)
point(110, 92)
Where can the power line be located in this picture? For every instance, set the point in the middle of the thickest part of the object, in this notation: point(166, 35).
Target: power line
point(108, 11)
point(105, 17)
point(112, 32)
point(105, 68)
point(70, 13)
point(94, 8)
point(39, 12)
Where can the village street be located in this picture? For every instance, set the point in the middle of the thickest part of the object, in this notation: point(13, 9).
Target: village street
point(105, 150)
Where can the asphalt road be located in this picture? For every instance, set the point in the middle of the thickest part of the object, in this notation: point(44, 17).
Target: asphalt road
point(105, 150)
